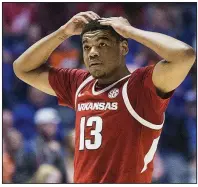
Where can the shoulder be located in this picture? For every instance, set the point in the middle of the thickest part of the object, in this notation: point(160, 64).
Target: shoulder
point(65, 72)
point(65, 77)
point(143, 72)
point(140, 75)
point(65, 82)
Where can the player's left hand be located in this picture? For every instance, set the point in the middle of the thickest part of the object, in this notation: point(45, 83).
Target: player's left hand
point(120, 25)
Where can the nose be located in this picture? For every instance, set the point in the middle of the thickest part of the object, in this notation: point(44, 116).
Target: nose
point(93, 53)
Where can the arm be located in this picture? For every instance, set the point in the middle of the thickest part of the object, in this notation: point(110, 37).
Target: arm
point(30, 66)
point(178, 56)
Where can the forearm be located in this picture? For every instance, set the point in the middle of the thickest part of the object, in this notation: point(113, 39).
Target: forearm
point(38, 53)
point(169, 48)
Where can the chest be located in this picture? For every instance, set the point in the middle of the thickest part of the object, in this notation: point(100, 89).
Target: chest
point(103, 113)
point(103, 103)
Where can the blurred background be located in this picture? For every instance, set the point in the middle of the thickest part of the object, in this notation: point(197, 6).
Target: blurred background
point(38, 135)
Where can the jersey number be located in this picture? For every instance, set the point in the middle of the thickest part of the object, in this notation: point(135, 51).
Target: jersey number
point(96, 133)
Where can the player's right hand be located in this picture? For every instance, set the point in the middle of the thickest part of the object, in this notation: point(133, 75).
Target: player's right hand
point(75, 25)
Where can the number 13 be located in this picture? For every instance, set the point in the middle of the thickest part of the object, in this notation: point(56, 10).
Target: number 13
point(96, 133)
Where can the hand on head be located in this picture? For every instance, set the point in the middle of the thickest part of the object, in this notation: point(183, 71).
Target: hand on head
point(119, 24)
point(75, 25)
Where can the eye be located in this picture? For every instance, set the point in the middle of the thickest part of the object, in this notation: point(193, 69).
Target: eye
point(102, 45)
point(86, 47)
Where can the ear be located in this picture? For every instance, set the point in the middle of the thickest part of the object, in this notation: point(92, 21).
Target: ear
point(124, 47)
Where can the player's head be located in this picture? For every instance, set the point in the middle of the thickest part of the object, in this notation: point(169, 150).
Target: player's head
point(104, 49)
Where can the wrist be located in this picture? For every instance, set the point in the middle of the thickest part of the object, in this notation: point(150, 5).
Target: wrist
point(131, 31)
point(62, 34)
point(135, 33)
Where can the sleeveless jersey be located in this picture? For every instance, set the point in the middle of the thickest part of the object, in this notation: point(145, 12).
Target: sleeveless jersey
point(117, 128)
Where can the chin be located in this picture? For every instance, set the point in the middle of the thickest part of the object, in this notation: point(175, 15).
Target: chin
point(97, 74)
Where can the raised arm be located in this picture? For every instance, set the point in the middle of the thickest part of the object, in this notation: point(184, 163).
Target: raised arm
point(178, 57)
point(30, 67)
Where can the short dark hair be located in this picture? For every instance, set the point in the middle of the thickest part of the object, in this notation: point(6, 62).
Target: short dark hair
point(95, 25)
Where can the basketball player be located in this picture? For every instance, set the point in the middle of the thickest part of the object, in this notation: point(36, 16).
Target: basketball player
point(119, 115)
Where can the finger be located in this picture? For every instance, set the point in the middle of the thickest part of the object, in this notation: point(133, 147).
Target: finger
point(90, 15)
point(105, 23)
point(81, 18)
point(94, 14)
point(104, 20)
point(111, 18)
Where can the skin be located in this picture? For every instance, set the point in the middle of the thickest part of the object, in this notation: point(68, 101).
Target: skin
point(31, 66)
point(178, 57)
point(104, 56)
point(168, 74)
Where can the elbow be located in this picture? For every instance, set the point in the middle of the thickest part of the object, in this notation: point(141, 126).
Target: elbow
point(16, 69)
point(189, 55)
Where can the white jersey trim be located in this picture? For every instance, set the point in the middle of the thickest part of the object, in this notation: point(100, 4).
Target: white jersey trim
point(87, 80)
point(134, 114)
point(107, 88)
point(151, 153)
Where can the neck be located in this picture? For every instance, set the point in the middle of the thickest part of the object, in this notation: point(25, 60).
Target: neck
point(116, 75)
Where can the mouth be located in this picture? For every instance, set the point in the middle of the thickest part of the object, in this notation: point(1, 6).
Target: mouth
point(95, 63)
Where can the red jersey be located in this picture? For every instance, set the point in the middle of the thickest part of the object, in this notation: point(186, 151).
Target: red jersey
point(117, 127)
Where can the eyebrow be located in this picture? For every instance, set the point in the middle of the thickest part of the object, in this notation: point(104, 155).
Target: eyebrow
point(99, 38)
point(84, 41)
point(103, 38)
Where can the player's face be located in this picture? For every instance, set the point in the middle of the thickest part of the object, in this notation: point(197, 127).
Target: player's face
point(101, 53)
